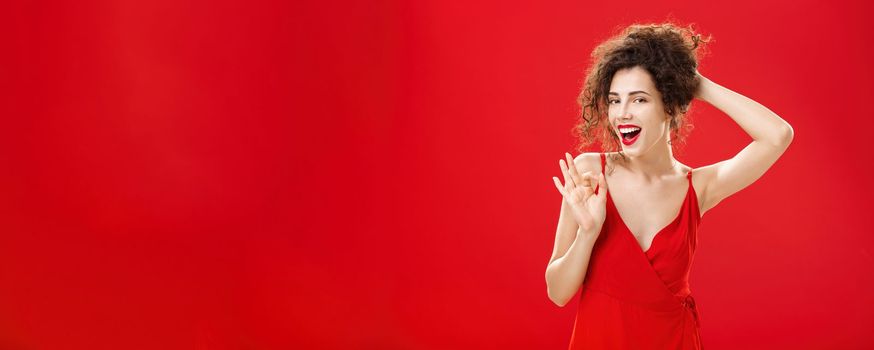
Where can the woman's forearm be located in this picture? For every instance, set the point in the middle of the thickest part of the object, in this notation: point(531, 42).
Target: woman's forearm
point(755, 119)
point(565, 275)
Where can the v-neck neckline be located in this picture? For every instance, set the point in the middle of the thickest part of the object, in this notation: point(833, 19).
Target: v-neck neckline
point(659, 232)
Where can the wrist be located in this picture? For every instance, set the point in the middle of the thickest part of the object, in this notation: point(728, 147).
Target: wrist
point(705, 86)
point(589, 235)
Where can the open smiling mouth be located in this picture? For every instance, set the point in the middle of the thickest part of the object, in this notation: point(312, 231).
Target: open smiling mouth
point(629, 134)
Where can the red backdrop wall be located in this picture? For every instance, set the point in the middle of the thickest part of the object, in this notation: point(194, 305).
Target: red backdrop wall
point(267, 175)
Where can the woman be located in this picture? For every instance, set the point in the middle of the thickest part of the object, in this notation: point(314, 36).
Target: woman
point(627, 230)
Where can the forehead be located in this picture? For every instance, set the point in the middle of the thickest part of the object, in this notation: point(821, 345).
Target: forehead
point(632, 79)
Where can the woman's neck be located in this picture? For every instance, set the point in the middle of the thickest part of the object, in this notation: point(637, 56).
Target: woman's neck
point(655, 164)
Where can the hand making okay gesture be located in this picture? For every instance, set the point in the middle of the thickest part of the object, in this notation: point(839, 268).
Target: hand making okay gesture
point(589, 209)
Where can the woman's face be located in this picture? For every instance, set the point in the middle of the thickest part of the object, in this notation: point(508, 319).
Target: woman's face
point(635, 107)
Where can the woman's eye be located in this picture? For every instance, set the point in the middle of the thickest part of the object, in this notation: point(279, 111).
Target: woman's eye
point(636, 100)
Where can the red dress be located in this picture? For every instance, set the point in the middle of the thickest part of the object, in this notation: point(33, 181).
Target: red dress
point(631, 299)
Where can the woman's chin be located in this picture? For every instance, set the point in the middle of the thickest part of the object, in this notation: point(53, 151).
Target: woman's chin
point(630, 151)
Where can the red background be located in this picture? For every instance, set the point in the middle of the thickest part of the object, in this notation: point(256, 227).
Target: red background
point(266, 175)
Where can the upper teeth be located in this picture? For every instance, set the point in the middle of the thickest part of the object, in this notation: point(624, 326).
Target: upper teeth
point(628, 130)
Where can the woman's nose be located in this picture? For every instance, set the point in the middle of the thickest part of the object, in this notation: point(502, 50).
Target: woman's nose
point(623, 112)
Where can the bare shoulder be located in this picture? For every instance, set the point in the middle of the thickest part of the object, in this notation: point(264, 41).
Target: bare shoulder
point(588, 161)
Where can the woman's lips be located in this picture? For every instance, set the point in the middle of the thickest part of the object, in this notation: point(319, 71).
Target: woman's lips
point(629, 142)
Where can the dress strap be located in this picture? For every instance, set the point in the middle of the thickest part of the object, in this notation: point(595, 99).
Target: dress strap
point(603, 162)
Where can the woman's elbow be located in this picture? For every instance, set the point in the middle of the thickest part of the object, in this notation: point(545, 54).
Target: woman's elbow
point(561, 301)
point(782, 137)
point(788, 134)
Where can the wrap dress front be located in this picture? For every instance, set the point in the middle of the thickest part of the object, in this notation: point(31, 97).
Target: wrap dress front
point(631, 299)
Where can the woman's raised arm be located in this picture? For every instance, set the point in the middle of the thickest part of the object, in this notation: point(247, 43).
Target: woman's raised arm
point(771, 136)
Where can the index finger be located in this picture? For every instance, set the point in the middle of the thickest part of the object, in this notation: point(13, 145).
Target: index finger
point(573, 169)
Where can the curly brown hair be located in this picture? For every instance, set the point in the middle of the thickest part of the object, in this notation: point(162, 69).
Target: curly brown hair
point(668, 52)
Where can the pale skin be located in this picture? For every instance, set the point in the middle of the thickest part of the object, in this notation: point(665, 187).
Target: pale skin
point(648, 189)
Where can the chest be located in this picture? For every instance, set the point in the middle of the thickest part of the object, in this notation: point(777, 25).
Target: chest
point(646, 209)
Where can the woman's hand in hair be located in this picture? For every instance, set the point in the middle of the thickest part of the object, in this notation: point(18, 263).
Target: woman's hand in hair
point(702, 85)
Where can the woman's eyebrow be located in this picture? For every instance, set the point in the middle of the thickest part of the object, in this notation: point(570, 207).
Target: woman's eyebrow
point(630, 93)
